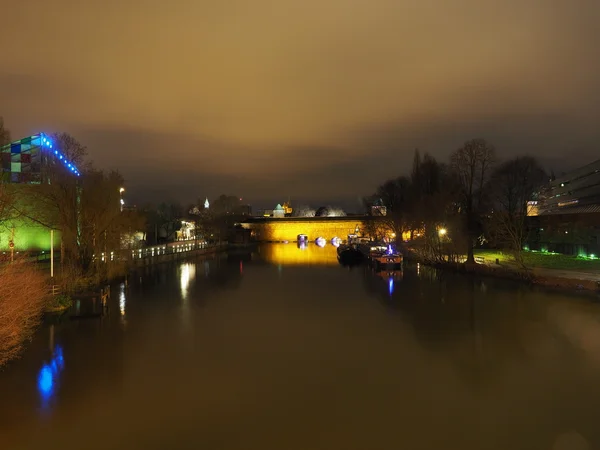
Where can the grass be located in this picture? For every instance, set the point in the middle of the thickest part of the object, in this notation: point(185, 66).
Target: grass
point(544, 260)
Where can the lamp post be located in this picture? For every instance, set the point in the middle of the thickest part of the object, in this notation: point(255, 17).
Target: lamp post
point(51, 253)
point(11, 244)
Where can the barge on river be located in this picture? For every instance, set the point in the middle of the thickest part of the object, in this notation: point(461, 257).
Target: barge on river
point(380, 256)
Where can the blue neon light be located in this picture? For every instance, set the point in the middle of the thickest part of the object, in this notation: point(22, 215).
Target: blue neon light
point(46, 142)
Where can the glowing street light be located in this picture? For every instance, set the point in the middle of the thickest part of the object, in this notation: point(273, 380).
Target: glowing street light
point(442, 231)
point(121, 201)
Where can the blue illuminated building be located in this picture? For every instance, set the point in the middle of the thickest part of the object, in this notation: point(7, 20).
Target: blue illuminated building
point(25, 160)
point(30, 163)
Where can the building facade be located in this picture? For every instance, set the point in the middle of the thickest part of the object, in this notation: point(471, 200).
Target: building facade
point(26, 164)
point(565, 218)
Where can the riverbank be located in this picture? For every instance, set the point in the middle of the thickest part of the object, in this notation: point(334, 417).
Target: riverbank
point(88, 288)
point(555, 278)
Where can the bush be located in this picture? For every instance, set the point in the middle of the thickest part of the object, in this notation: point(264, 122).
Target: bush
point(59, 303)
point(23, 294)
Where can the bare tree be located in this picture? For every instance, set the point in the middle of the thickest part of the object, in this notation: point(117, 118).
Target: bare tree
point(22, 299)
point(4, 133)
point(7, 201)
point(395, 195)
point(99, 216)
point(303, 211)
point(512, 185)
point(472, 164)
point(73, 150)
point(7, 193)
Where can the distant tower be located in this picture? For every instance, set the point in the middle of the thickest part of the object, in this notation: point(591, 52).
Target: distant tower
point(206, 204)
point(279, 211)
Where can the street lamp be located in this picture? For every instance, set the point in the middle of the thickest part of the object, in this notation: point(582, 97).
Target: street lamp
point(442, 231)
point(121, 201)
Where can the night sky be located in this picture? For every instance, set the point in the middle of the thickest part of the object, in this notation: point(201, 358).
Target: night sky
point(317, 100)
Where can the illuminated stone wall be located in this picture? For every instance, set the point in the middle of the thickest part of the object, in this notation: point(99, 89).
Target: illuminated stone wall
point(278, 230)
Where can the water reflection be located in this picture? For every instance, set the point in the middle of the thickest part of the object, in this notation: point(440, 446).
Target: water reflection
point(300, 254)
point(187, 275)
point(122, 299)
point(48, 376)
point(413, 359)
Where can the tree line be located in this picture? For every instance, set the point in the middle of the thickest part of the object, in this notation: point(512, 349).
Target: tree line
point(448, 208)
point(85, 210)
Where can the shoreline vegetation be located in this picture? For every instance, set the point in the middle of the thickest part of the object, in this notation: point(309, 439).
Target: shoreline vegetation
point(25, 297)
point(445, 213)
point(553, 270)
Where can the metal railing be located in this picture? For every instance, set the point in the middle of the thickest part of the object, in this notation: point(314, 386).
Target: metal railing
point(123, 254)
point(157, 250)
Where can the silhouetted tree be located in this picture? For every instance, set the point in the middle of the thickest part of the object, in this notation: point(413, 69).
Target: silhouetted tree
point(472, 164)
point(7, 194)
point(433, 207)
point(512, 184)
point(73, 150)
point(395, 195)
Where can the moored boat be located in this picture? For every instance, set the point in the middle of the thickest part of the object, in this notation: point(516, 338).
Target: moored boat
point(349, 254)
point(387, 259)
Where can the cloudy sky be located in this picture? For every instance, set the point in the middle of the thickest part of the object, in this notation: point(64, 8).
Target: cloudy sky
point(317, 100)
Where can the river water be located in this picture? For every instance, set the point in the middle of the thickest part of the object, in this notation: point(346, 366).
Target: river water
point(285, 349)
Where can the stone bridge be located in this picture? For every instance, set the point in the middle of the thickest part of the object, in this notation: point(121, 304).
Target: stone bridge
point(268, 229)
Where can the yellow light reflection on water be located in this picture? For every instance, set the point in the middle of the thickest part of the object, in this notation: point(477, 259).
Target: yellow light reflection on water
point(290, 254)
point(122, 299)
point(187, 274)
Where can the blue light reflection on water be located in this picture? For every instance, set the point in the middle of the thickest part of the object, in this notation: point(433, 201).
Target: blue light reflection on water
point(391, 285)
point(48, 375)
point(46, 382)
